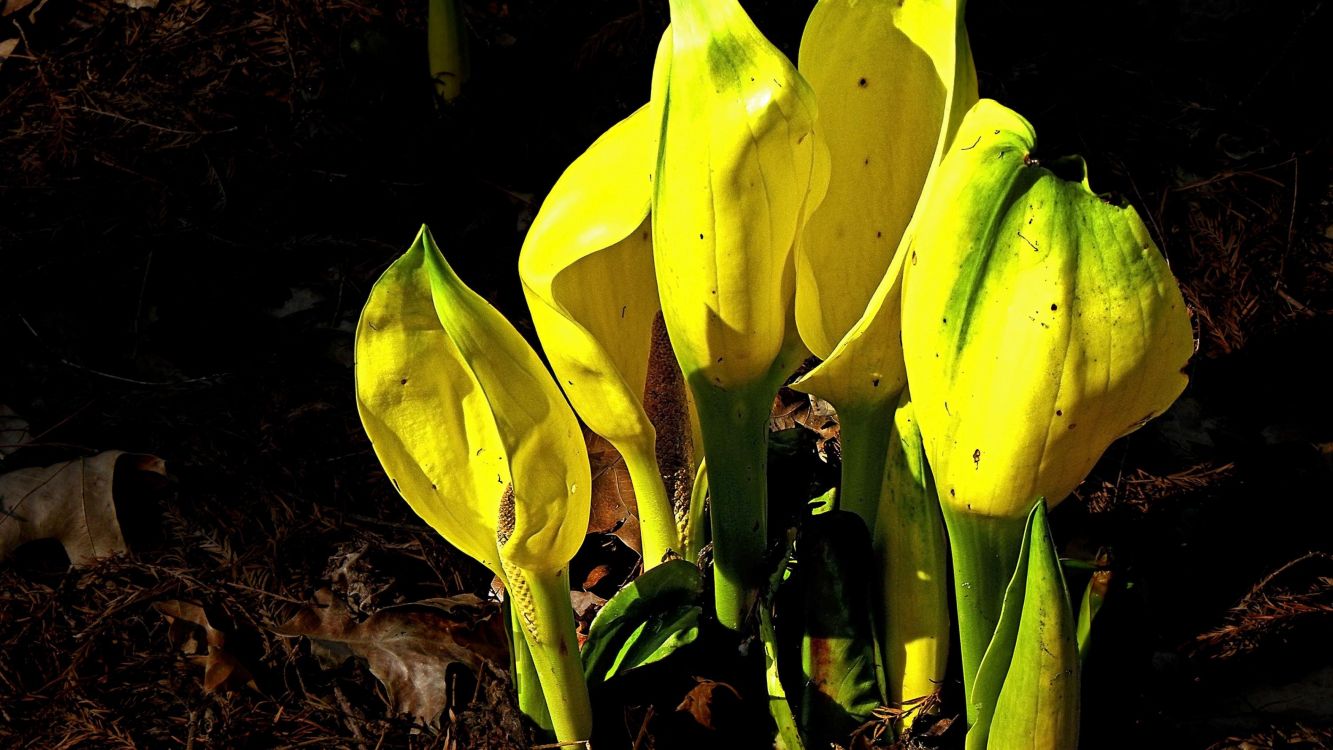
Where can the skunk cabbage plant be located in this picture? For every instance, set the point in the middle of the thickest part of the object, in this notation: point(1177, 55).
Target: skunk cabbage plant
point(475, 435)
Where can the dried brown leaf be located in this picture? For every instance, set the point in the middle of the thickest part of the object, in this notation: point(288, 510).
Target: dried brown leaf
point(70, 502)
point(699, 701)
point(940, 727)
point(586, 606)
point(188, 622)
point(14, 6)
point(409, 647)
point(793, 409)
point(614, 508)
point(595, 576)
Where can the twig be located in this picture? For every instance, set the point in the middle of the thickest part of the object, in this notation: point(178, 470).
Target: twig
point(643, 729)
point(269, 594)
point(59, 424)
point(1291, 220)
point(145, 124)
point(113, 376)
point(1263, 583)
point(1231, 173)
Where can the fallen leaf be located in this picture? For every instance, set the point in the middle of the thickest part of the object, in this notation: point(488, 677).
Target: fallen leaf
point(586, 605)
point(6, 49)
point(939, 727)
point(70, 502)
point(13, 428)
point(793, 409)
point(595, 576)
point(614, 509)
point(14, 6)
point(408, 647)
point(699, 701)
point(187, 622)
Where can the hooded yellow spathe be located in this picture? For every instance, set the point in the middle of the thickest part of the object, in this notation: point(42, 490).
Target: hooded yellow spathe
point(893, 81)
point(475, 435)
point(459, 408)
point(739, 168)
point(587, 271)
point(1040, 323)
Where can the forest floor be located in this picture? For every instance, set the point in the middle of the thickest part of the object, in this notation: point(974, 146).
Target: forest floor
point(196, 197)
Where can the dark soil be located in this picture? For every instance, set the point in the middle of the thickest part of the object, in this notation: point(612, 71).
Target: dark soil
point(195, 199)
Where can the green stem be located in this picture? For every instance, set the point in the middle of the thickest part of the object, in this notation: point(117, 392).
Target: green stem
point(735, 436)
point(541, 599)
point(985, 551)
point(863, 433)
point(695, 533)
point(789, 735)
point(657, 519)
point(531, 700)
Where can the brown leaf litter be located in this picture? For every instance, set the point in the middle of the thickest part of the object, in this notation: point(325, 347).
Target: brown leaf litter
point(409, 648)
point(1141, 491)
point(188, 622)
point(614, 509)
point(698, 702)
point(71, 502)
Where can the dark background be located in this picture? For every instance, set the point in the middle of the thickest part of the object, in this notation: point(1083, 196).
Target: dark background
point(195, 199)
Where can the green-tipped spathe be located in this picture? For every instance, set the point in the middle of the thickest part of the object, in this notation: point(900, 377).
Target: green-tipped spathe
point(475, 435)
point(739, 168)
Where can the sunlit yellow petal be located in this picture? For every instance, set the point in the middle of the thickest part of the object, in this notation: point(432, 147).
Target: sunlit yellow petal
point(739, 167)
point(547, 458)
point(886, 74)
point(587, 271)
point(427, 416)
point(1040, 322)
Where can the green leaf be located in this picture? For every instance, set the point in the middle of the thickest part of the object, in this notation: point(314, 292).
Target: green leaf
point(1027, 687)
point(789, 735)
point(648, 620)
point(656, 638)
point(1093, 596)
point(834, 566)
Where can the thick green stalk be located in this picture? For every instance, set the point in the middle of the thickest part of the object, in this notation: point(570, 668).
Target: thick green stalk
point(541, 599)
point(657, 519)
point(985, 551)
point(863, 434)
point(446, 48)
point(531, 701)
point(735, 435)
